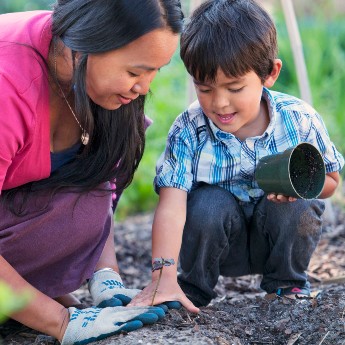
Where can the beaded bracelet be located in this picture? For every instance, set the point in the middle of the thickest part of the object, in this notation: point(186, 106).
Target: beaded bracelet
point(158, 264)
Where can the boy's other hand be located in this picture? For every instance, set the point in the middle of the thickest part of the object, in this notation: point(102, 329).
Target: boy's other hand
point(280, 198)
point(168, 290)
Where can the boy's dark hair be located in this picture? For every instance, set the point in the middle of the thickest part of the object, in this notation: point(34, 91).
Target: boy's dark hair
point(236, 36)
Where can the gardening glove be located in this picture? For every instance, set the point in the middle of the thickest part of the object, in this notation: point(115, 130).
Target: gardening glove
point(92, 324)
point(107, 289)
point(171, 305)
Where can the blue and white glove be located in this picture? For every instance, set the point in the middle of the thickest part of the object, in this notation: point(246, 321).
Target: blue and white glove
point(92, 324)
point(107, 289)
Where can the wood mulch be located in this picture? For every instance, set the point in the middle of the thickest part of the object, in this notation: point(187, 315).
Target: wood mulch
point(241, 314)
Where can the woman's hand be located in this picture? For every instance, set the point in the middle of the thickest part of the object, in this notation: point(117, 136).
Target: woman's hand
point(168, 290)
point(91, 324)
point(107, 289)
point(280, 198)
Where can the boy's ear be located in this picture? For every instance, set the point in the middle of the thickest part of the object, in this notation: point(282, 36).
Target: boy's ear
point(273, 76)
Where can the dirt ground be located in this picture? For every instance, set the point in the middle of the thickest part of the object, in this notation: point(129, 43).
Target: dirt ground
point(241, 314)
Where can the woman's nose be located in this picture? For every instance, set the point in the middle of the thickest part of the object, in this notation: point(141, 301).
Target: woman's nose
point(142, 88)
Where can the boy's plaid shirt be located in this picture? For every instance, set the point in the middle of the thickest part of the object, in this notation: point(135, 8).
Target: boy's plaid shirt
point(198, 151)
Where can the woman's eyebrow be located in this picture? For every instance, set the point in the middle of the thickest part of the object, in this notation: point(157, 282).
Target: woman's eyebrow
point(149, 68)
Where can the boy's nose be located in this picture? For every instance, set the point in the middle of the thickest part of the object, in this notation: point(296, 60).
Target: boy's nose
point(220, 101)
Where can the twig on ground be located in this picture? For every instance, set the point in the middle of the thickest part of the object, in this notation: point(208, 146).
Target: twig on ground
point(326, 335)
point(334, 280)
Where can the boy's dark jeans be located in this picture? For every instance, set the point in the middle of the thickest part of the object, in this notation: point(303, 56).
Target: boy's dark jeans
point(225, 237)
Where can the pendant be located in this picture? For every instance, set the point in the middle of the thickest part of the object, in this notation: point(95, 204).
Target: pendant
point(85, 138)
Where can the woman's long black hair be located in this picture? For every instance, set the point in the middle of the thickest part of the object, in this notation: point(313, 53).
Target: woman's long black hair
point(117, 137)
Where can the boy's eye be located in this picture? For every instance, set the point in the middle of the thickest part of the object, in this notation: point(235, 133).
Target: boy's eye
point(133, 74)
point(236, 90)
point(202, 88)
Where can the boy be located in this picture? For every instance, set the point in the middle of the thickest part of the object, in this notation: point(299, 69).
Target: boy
point(211, 212)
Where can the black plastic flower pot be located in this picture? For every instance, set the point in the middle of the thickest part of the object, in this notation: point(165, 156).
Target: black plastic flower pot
point(298, 172)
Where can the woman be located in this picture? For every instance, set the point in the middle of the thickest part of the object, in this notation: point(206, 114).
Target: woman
point(73, 83)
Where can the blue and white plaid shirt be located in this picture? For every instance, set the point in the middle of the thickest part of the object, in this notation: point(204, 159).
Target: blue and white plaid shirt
point(198, 151)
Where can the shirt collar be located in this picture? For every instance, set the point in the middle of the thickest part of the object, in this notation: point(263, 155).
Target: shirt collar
point(268, 97)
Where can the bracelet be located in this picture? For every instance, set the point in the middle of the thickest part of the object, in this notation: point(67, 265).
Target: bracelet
point(158, 263)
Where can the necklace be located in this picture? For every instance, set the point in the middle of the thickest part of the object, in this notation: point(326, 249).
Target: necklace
point(84, 135)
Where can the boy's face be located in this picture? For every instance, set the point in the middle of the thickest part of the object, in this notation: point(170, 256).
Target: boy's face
point(234, 104)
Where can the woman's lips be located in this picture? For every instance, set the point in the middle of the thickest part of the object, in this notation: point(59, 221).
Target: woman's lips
point(226, 118)
point(124, 100)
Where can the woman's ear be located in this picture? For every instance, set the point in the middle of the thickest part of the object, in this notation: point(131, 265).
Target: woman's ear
point(273, 76)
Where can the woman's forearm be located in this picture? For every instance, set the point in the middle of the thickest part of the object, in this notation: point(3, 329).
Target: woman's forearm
point(108, 257)
point(41, 313)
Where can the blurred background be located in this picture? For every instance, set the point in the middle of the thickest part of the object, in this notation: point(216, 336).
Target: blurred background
point(322, 29)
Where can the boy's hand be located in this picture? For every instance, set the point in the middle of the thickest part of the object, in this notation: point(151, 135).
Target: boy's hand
point(280, 198)
point(168, 290)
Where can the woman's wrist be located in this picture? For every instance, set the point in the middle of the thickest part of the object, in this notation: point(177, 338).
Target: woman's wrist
point(64, 323)
point(104, 269)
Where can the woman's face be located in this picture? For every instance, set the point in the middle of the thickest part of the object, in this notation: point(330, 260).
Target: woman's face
point(119, 76)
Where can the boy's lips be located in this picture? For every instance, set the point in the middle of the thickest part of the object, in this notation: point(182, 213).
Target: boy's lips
point(225, 118)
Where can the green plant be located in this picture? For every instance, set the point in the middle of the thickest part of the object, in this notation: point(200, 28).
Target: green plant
point(11, 302)
point(158, 264)
point(324, 49)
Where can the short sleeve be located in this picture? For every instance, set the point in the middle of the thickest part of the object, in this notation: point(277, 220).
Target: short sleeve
point(14, 126)
point(174, 167)
point(319, 136)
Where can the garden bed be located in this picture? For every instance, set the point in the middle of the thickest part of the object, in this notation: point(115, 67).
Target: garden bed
point(241, 314)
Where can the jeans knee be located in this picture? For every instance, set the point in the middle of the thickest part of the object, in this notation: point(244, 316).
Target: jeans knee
point(209, 209)
point(302, 218)
point(310, 219)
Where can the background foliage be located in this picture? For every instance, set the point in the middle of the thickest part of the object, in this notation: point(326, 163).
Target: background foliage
point(324, 48)
point(323, 37)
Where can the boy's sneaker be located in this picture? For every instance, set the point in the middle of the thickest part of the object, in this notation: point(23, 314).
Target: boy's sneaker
point(294, 292)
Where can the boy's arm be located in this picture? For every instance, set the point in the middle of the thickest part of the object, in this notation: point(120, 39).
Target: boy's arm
point(168, 224)
point(331, 183)
point(167, 230)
